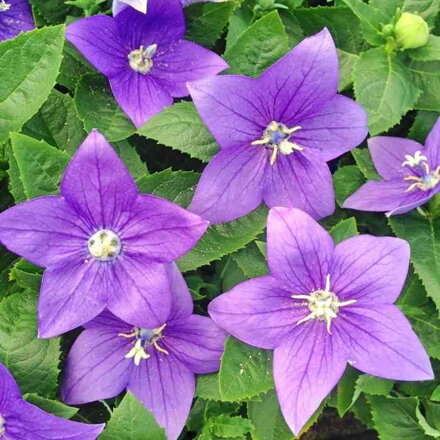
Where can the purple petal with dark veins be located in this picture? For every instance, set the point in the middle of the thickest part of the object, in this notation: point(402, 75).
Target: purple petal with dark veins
point(371, 270)
point(45, 231)
point(166, 388)
point(432, 146)
point(182, 304)
point(18, 18)
point(380, 341)
point(9, 391)
point(300, 181)
point(260, 312)
point(231, 185)
point(299, 250)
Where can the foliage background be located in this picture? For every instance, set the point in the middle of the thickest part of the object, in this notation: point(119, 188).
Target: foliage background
point(50, 98)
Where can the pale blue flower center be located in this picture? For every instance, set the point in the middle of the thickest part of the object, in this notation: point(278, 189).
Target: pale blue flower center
point(104, 245)
point(141, 60)
point(421, 177)
point(4, 7)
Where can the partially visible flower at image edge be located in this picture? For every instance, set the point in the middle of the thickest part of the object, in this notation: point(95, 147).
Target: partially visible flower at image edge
point(276, 133)
point(15, 17)
point(157, 365)
point(144, 56)
point(321, 307)
point(142, 5)
point(103, 244)
point(411, 174)
point(19, 420)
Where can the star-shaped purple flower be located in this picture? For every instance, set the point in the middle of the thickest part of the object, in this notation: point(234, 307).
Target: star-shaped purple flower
point(103, 243)
point(141, 5)
point(411, 174)
point(20, 420)
point(276, 133)
point(156, 364)
point(323, 306)
point(15, 17)
point(144, 56)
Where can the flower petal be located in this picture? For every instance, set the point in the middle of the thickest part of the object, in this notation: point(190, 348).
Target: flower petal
point(299, 250)
point(96, 366)
point(140, 292)
point(300, 181)
point(388, 154)
point(432, 146)
point(98, 185)
point(31, 423)
point(391, 196)
point(232, 108)
point(162, 25)
point(337, 127)
point(380, 342)
point(71, 295)
point(197, 342)
point(303, 80)
point(185, 61)
point(140, 96)
point(159, 230)
point(259, 311)
point(17, 19)
point(45, 231)
point(306, 368)
point(166, 388)
point(119, 5)
point(99, 41)
point(9, 391)
point(369, 269)
point(231, 185)
point(183, 305)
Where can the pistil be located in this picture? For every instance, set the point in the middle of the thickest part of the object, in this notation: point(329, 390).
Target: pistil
point(141, 60)
point(323, 304)
point(104, 245)
point(276, 136)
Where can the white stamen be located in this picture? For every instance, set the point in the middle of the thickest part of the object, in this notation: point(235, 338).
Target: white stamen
point(2, 425)
point(138, 353)
point(104, 245)
point(3, 8)
point(141, 60)
point(324, 305)
point(413, 161)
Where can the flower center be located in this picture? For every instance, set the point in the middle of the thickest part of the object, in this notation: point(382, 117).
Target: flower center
point(141, 60)
point(4, 7)
point(104, 245)
point(145, 338)
point(425, 178)
point(2, 425)
point(323, 304)
point(276, 136)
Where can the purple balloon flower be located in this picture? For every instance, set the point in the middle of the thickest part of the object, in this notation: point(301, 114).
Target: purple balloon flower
point(141, 5)
point(15, 17)
point(144, 56)
point(323, 306)
point(103, 243)
point(276, 133)
point(411, 174)
point(156, 364)
point(20, 420)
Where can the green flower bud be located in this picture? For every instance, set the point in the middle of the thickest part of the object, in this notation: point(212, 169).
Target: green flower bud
point(411, 31)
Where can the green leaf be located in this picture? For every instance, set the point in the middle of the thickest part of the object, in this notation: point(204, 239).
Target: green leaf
point(132, 421)
point(15, 185)
point(346, 181)
point(26, 275)
point(344, 229)
point(223, 239)
point(258, 47)
point(228, 427)
point(429, 52)
point(176, 186)
point(251, 261)
point(436, 394)
point(267, 419)
point(385, 87)
point(57, 123)
point(423, 124)
point(431, 423)
point(245, 371)
point(395, 418)
point(131, 159)
point(423, 235)
point(427, 78)
point(371, 19)
point(33, 362)
point(40, 166)
point(52, 11)
point(73, 67)
point(346, 64)
point(345, 391)
point(51, 406)
point(208, 387)
point(181, 128)
point(341, 22)
point(97, 108)
point(375, 386)
point(427, 9)
point(29, 65)
point(365, 163)
point(205, 22)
